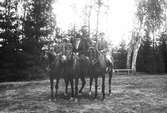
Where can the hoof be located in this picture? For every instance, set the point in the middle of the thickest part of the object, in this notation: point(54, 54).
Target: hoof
point(71, 98)
point(110, 94)
point(80, 91)
point(79, 94)
point(90, 93)
point(103, 99)
point(65, 94)
point(95, 99)
point(50, 100)
point(75, 100)
point(54, 99)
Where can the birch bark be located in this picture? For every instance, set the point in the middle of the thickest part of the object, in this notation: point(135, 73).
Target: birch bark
point(135, 54)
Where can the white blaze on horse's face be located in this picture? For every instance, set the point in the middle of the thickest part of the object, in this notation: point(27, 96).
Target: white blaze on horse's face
point(64, 58)
point(78, 40)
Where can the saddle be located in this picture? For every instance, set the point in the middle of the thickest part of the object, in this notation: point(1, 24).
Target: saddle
point(105, 60)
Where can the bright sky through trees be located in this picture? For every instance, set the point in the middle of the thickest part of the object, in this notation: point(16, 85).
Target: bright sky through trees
point(116, 17)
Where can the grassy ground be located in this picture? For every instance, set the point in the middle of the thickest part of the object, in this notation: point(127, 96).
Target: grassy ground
point(130, 94)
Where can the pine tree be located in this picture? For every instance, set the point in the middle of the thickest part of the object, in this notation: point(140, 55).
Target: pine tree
point(149, 61)
point(38, 24)
point(144, 59)
point(9, 35)
point(163, 48)
point(120, 56)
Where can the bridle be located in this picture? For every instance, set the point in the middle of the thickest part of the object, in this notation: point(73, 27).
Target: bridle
point(93, 54)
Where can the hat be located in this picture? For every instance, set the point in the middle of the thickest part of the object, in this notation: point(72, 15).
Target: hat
point(101, 34)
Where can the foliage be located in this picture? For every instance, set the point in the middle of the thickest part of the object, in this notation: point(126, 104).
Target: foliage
point(150, 14)
point(119, 56)
point(148, 61)
point(22, 39)
point(163, 48)
point(9, 35)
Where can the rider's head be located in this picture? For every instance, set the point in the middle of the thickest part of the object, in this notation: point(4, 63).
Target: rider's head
point(101, 35)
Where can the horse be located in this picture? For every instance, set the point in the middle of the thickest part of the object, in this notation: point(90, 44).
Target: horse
point(71, 71)
point(84, 66)
point(55, 70)
point(93, 64)
point(60, 66)
point(80, 47)
point(101, 65)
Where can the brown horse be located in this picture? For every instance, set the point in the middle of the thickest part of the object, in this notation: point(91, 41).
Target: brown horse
point(61, 67)
point(80, 47)
point(83, 71)
point(55, 70)
point(101, 65)
point(70, 71)
point(92, 64)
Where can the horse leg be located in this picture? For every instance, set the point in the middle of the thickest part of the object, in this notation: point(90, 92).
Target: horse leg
point(72, 88)
point(66, 90)
point(51, 87)
point(90, 87)
point(96, 86)
point(110, 77)
point(57, 86)
point(103, 86)
point(76, 88)
point(83, 84)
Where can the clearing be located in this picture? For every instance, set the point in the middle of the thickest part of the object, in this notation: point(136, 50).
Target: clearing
point(130, 94)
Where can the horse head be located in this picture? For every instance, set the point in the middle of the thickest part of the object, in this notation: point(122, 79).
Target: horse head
point(75, 59)
point(75, 43)
point(53, 60)
point(72, 62)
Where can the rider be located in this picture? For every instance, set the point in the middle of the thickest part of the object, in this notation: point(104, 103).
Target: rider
point(85, 43)
point(101, 44)
point(102, 48)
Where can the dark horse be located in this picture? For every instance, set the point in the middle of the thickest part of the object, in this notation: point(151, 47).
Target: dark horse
point(55, 70)
point(61, 66)
point(80, 47)
point(101, 65)
point(92, 64)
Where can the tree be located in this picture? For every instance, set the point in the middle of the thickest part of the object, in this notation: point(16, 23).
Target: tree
point(133, 48)
point(88, 12)
point(100, 4)
point(136, 38)
point(37, 26)
point(144, 58)
point(9, 35)
point(120, 56)
point(149, 16)
point(163, 48)
point(154, 16)
point(153, 19)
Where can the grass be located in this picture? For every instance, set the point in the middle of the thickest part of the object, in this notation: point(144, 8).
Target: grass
point(130, 94)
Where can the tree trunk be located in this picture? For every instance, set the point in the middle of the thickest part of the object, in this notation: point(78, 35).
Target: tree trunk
point(97, 23)
point(89, 15)
point(128, 63)
point(135, 53)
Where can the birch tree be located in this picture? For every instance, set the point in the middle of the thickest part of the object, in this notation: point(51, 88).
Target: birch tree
point(100, 4)
point(136, 39)
point(149, 16)
point(88, 13)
